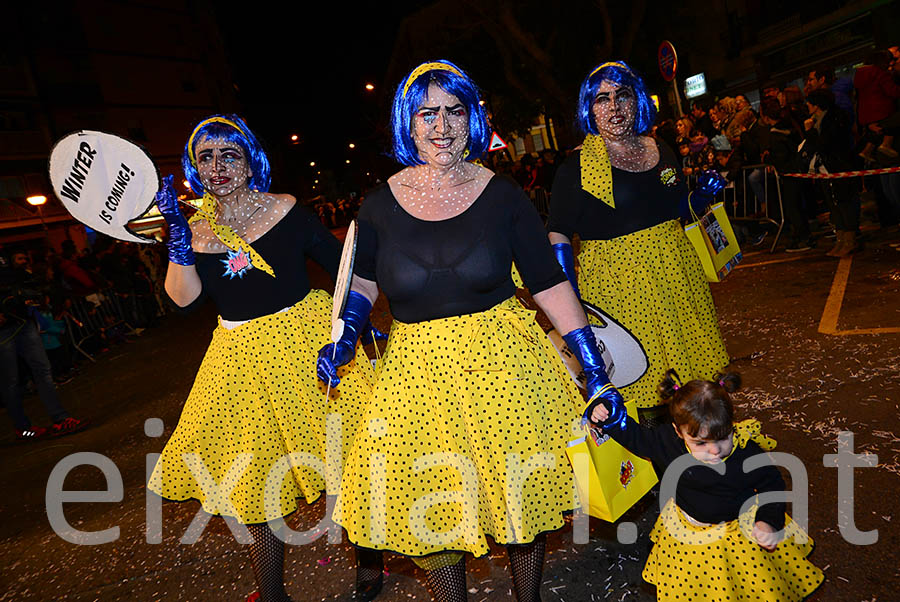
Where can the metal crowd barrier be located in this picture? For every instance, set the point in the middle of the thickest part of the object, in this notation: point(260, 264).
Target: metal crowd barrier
point(91, 316)
point(541, 200)
point(749, 208)
point(754, 211)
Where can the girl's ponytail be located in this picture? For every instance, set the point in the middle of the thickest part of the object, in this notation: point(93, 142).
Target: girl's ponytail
point(730, 381)
point(669, 385)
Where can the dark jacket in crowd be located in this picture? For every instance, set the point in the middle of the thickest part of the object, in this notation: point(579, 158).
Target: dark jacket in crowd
point(17, 287)
point(830, 141)
point(705, 125)
point(783, 140)
point(754, 141)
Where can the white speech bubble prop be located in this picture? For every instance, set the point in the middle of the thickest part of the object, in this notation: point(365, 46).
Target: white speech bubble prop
point(624, 356)
point(104, 181)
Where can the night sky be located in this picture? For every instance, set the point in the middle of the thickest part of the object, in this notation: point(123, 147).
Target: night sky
point(307, 74)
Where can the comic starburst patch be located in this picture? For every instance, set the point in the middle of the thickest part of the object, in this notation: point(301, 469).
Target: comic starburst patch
point(236, 264)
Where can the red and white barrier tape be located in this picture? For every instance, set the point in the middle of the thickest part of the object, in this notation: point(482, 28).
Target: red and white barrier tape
point(843, 174)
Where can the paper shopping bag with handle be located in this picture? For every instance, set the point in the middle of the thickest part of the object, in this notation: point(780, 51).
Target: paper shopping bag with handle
point(714, 241)
point(610, 479)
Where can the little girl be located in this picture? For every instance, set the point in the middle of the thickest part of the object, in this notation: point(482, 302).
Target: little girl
point(704, 548)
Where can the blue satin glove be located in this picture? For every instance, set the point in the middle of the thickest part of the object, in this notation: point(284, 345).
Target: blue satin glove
point(370, 334)
point(709, 184)
point(582, 343)
point(179, 242)
point(334, 355)
point(566, 258)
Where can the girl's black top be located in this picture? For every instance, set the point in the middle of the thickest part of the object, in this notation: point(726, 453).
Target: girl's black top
point(462, 265)
point(643, 199)
point(244, 294)
point(701, 491)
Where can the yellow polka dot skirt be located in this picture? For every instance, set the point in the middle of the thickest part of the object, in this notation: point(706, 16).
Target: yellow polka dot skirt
point(652, 283)
point(256, 399)
point(465, 437)
point(722, 563)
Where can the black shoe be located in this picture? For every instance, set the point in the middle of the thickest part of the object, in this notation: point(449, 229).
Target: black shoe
point(758, 239)
point(63, 380)
point(798, 247)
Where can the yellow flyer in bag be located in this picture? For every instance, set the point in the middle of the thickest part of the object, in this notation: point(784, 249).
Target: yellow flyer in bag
point(610, 479)
point(714, 241)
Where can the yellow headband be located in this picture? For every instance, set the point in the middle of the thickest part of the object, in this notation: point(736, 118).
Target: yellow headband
point(424, 68)
point(204, 122)
point(610, 63)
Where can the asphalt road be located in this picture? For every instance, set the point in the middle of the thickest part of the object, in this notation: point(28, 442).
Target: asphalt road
point(804, 385)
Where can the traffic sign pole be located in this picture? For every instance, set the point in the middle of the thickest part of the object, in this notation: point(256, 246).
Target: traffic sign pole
point(680, 111)
point(667, 59)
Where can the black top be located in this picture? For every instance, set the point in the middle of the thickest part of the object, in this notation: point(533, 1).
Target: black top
point(456, 266)
point(643, 199)
point(244, 294)
point(702, 492)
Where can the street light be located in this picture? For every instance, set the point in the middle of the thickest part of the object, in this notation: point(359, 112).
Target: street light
point(351, 145)
point(38, 201)
point(370, 87)
point(347, 161)
point(312, 163)
point(294, 137)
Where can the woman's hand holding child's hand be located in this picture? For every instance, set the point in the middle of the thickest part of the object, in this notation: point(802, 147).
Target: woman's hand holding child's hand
point(600, 414)
point(765, 535)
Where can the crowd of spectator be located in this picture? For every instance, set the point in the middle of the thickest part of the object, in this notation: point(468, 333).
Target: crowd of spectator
point(831, 125)
point(81, 303)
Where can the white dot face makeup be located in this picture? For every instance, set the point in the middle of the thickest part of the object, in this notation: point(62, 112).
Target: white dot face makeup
point(222, 166)
point(614, 110)
point(440, 128)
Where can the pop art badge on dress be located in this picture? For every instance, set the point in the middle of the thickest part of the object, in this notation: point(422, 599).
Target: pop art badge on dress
point(668, 176)
point(237, 263)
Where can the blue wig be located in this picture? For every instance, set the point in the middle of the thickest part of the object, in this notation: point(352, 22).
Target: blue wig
point(228, 128)
point(411, 94)
point(619, 73)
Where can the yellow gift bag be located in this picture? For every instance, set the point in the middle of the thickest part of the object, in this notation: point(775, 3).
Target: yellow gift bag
point(610, 479)
point(714, 241)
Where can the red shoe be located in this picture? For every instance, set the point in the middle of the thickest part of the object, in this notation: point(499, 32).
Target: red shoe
point(68, 426)
point(32, 433)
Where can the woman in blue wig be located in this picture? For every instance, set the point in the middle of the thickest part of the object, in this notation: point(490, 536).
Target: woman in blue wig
point(472, 408)
point(253, 428)
point(623, 194)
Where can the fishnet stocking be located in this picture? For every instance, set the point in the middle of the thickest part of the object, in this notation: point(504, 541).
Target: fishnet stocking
point(267, 557)
point(369, 565)
point(448, 584)
point(527, 564)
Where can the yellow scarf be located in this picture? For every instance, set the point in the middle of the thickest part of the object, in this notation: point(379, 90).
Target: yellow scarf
point(596, 170)
point(227, 235)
